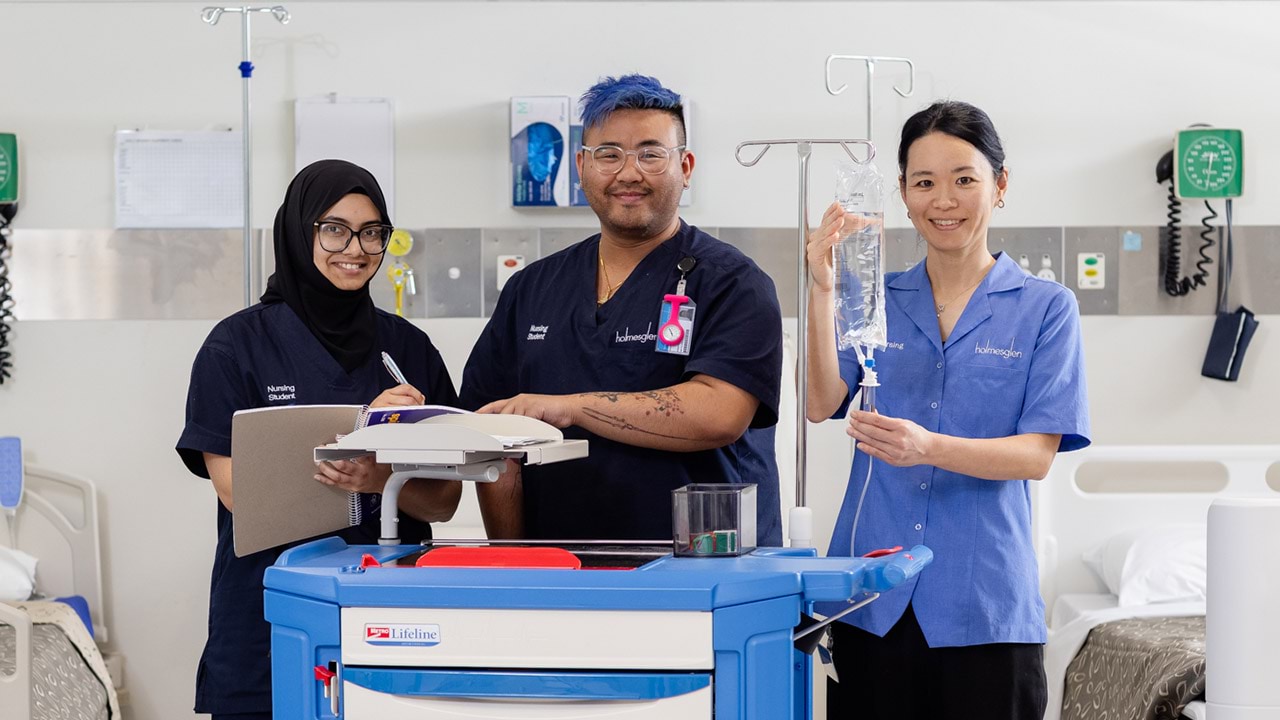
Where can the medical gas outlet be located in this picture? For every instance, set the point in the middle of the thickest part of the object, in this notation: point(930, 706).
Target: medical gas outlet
point(1045, 272)
point(1091, 271)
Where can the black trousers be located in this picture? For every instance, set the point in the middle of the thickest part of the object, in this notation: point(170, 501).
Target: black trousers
point(243, 716)
point(899, 677)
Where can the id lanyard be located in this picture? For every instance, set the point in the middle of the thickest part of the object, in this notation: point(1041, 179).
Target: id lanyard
point(675, 322)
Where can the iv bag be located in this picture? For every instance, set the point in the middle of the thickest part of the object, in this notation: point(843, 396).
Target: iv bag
point(859, 258)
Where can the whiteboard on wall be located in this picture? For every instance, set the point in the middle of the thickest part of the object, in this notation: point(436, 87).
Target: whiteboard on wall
point(179, 179)
point(359, 130)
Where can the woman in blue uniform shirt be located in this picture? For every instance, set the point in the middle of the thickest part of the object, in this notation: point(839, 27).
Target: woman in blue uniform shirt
point(981, 384)
point(315, 338)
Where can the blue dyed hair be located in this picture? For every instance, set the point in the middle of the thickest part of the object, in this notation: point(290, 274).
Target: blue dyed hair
point(630, 92)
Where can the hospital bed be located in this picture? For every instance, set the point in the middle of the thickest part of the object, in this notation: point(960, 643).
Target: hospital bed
point(1133, 644)
point(50, 665)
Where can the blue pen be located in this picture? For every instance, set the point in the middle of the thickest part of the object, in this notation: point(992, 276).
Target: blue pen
point(393, 369)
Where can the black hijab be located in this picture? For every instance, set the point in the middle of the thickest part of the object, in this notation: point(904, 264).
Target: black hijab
point(342, 320)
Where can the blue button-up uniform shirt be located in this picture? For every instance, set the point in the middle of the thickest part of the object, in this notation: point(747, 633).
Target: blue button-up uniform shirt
point(1013, 364)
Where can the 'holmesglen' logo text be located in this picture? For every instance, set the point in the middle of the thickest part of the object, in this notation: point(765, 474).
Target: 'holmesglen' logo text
point(1006, 353)
point(626, 337)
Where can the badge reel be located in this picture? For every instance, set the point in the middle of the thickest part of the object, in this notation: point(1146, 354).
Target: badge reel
point(675, 323)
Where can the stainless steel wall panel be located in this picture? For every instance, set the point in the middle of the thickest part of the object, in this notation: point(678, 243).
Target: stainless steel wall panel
point(1255, 278)
point(774, 250)
point(126, 274)
point(1142, 277)
point(197, 274)
point(903, 248)
point(448, 273)
point(553, 240)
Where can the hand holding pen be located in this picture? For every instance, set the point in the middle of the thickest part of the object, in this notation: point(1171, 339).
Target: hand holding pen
point(401, 394)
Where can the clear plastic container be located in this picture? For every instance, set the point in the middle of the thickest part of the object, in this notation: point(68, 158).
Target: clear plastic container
point(860, 316)
point(858, 259)
point(714, 519)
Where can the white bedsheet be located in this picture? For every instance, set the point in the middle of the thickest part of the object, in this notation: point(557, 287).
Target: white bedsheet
point(1081, 614)
point(1072, 606)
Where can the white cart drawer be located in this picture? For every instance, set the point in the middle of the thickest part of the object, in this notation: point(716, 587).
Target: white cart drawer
point(557, 639)
point(499, 696)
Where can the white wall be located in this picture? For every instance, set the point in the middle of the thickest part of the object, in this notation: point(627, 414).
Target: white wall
point(1086, 96)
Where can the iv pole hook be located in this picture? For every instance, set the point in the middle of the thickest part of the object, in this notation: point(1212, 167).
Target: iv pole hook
point(870, 63)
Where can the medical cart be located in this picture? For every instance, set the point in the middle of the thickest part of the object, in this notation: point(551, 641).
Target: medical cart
point(366, 632)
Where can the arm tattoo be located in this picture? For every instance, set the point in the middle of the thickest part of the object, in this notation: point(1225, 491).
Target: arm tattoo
point(622, 423)
point(664, 402)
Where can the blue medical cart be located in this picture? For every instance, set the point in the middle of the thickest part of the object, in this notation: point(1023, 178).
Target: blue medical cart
point(361, 632)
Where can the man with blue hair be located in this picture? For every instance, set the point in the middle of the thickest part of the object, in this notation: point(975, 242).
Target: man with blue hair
point(655, 341)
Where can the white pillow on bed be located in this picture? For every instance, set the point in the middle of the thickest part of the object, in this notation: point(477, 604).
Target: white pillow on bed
point(17, 574)
point(1158, 564)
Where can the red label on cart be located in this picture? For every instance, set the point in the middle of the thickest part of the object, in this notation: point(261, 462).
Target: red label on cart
point(417, 634)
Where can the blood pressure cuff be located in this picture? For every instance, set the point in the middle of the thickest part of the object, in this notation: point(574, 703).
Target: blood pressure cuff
point(1231, 335)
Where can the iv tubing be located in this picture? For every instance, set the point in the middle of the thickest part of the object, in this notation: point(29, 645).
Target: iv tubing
point(869, 384)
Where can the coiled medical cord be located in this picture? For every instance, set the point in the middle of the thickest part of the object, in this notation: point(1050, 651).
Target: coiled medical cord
point(1173, 231)
point(6, 300)
point(1174, 283)
point(1206, 235)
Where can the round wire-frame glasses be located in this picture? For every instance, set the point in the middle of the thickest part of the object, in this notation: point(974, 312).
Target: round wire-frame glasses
point(651, 160)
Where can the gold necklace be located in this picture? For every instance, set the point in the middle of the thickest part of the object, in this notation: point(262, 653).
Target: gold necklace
point(610, 288)
point(943, 306)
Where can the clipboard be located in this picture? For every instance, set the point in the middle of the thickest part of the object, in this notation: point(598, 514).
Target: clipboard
point(273, 488)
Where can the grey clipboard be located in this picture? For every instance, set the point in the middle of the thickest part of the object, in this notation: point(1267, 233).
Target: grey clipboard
point(273, 488)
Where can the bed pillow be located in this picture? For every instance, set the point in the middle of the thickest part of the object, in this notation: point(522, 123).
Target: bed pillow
point(17, 574)
point(1153, 565)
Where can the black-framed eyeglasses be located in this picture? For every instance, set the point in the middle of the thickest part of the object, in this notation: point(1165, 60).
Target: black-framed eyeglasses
point(610, 159)
point(335, 237)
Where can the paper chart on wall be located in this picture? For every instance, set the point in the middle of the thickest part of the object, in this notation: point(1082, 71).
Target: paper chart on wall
point(359, 130)
point(179, 179)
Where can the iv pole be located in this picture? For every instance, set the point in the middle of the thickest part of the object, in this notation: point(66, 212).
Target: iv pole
point(211, 15)
point(801, 518)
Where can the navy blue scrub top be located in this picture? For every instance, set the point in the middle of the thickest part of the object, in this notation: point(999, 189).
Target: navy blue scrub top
point(547, 336)
point(1013, 365)
point(264, 356)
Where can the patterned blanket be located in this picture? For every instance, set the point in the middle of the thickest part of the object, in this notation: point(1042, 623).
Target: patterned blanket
point(69, 678)
point(1138, 669)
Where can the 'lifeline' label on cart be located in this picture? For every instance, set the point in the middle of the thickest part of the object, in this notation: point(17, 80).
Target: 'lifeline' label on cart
point(402, 634)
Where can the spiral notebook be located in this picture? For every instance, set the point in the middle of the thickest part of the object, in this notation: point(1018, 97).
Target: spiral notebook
point(404, 414)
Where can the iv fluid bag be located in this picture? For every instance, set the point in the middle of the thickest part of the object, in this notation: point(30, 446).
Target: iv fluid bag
point(859, 258)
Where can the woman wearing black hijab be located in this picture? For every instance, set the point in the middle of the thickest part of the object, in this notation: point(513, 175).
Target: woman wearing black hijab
point(315, 338)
